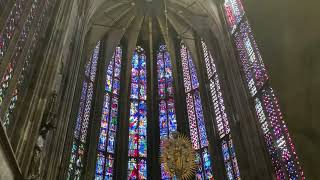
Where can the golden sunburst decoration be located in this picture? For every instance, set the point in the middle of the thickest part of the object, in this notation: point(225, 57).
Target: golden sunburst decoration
point(178, 156)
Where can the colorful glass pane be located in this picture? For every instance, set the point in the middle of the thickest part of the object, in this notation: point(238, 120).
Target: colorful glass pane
point(278, 141)
point(109, 117)
point(197, 126)
point(82, 122)
point(167, 116)
point(234, 12)
point(137, 150)
point(221, 118)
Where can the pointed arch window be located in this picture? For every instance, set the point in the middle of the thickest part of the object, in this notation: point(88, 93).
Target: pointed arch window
point(278, 141)
point(137, 163)
point(80, 133)
point(109, 119)
point(167, 115)
point(195, 115)
point(221, 117)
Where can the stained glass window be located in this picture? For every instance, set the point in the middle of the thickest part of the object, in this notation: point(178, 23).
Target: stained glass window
point(40, 28)
point(221, 118)
point(278, 141)
point(109, 118)
point(82, 122)
point(137, 164)
point(195, 116)
point(234, 12)
point(167, 115)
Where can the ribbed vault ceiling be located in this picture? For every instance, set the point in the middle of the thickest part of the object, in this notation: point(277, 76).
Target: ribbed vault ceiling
point(151, 20)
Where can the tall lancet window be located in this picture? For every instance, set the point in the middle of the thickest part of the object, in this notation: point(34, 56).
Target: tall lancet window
point(221, 117)
point(278, 141)
point(137, 164)
point(195, 115)
point(109, 119)
point(83, 117)
point(167, 115)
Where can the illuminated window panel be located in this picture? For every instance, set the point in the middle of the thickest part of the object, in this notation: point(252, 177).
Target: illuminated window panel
point(167, 116)
point(195, 116)
point(137, 146)
point(234, 13)
point(83, 119)
point(278, 140)
point(10, 25)
point(109, 117)
point(221, 118)
point(253, 67)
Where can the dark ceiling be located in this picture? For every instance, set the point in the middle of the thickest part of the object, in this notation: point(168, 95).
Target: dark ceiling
point(288, 34)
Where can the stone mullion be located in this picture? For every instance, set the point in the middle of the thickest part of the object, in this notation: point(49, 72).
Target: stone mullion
point(17, 33)
point(54, 158)
point(214, 146)
point(122, 148)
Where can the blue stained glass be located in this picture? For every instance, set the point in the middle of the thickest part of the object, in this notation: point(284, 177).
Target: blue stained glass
point(114, 114)
point(138, 117)
point(163, 119)
point(100, 164)
point(80, 111)
point(197, 126)
point(207, 164)
point(111, 139)
point(98, 177)
point(134, 117)
point(170, 90)
point(132, 169)
point(117, 68)
point(109, 167)
point(133, 145)
point(142, 169)
point(201, 125)
point(164, 175)
point(134, 91)
point(193, 73)
point(108, 83)
point(172, 116)
point(110, 67)
point(107, 137)
point(199, 174)
point(225, 151)
point(95, 58)
point(142, 146)
point(116, 86)
point(161, 89)
point(102, 140)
